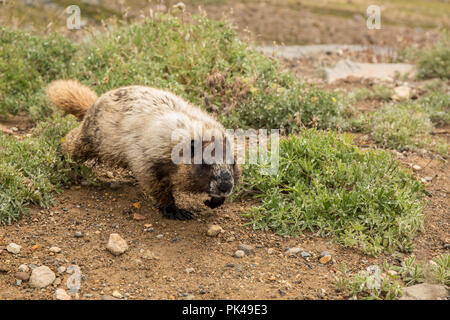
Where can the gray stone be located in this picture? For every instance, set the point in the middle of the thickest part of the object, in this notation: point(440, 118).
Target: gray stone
point(293, 251)
point(13, 248)
point(239, 254)
point(401, 93)
point(42, 277)
point(381, 71)
point(61, 294)
point(24, 268)
point(424, 291)
point(24, 276)
point(214, 230)
point(116, 245)
point(305, 254)
point(248, 249)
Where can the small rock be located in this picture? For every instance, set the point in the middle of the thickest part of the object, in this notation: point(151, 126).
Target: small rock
point(116, 294)
point(416, 167)
point(392, 272)
point(248, 249)
point(24, 276)
point(428, 179)
point(55, 249)
point(189, 270)
point(106, 297)
point(61, 270)
point(109, 174)
point(270, 251)
point(61, 294)
point(138, 217)
point(42, 277)
point(239, 254)
point(116, 245)
point(305, 254)
point(432, 263)
point(401, 93)
point(24, 268)
point(324, 257)
point(214, 230)
point(13, 248)
point(159, 236)
point(446, 246)
point(57, 282)
point(148, 255)
point(78, 234)
point(424, 291)
point(293, 251)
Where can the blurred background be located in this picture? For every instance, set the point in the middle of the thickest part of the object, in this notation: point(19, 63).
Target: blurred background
point(288, 22)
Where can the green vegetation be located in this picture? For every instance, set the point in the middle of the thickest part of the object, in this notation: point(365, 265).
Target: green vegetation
point(408, 125)
point(386, 281)
point(378, 92)
point(27, 64)
point(327, 185)
point(441, 271)
point(32, 169)
point(435, 62)
point(367, 285)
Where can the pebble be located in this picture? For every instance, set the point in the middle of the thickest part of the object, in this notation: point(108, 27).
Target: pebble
point(148, 255)
point(417, 167)
point(159, 236)
point(239, 254)
point(305, 254)
point(57, 282)
point(446, 245)
point(24, 276)
point(116, 245)
point(61, 294)
point(392, 272)
point(13, 248)
point(24, 268)
point(42, 277)
point(78, 234)
point(55, 249)
point(106, 297)
point(61, 269)
point(189, 270)
point(324, 257)
point(428, 179)
point(248, 249)
point(293, 251)
point(270, 251)
point(214, 230)
point(116, 294)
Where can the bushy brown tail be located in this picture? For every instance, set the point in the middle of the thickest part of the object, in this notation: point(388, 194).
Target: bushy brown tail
point(71, 96)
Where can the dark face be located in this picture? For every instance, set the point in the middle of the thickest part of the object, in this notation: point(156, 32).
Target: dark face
point(218, 178)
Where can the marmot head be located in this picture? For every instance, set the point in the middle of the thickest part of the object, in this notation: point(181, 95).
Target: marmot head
point(217, 168)
point(213, 169)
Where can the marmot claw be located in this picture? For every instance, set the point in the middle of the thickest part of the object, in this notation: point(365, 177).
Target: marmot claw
point(174, 213)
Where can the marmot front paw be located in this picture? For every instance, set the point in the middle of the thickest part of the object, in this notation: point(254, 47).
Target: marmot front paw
point(173, 212)
point(214, 202)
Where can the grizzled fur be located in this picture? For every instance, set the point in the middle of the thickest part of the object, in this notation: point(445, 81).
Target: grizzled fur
point(132, 126)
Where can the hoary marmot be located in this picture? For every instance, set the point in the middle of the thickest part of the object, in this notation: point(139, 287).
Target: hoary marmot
point(133, 126)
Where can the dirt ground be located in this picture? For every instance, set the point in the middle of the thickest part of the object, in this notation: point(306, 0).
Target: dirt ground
point(160, 250)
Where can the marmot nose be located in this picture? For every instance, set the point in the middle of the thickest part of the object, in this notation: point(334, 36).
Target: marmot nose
point(225, 186)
